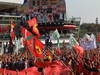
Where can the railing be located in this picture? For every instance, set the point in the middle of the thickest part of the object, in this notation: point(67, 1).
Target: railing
point(6, 19)
point(7, 22)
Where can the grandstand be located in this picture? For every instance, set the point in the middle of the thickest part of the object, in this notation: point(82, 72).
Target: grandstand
point(8, 12)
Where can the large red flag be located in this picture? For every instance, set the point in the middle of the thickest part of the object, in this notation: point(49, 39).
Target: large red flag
point(38, 48)
point(35, 47)
point(29, 47)
point(33, 23)
point(28, 40)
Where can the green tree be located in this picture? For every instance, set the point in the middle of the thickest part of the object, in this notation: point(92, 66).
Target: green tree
point(89, 28)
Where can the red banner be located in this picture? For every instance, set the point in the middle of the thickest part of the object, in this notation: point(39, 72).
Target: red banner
point(56, 68)
point(29, 71)
point(4, 29)
point(9, 72)
point(2, 71)
point(47, 71)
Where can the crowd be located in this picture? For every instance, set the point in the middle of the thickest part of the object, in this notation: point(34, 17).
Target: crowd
point(89, 63)
point(15, 62)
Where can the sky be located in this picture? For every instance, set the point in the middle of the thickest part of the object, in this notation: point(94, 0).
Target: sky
point(88, 10)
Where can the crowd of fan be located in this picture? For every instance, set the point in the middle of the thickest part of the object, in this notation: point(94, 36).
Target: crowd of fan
point(89, 63)
point(15, 62)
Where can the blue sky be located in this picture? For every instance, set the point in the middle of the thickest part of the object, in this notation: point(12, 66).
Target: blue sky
point(88, 10)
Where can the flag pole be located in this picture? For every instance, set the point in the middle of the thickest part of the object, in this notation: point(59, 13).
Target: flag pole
point(34, 49)
point(33, 45)
point(58, 43)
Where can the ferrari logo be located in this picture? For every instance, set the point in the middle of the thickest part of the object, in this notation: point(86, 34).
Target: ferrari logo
point(38, 49)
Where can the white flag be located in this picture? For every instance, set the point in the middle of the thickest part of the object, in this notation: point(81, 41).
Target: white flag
point(56, 34)
point(94, 40)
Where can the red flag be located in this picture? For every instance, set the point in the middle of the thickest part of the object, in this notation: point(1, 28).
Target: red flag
point(98, 38)
point(58, 51)
point(31, 71)
point(23, 30)
point(13, 25)
point(33, 23)
point(56, 68)
point(39, 64)
point(36, 31)
point(27, 40)
point(79, 50)
point(27, 35)
point(38, 48)
point(12, 34)
point(12, 31)
point(35, 47)
point(10, 72)
point(30, 45)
